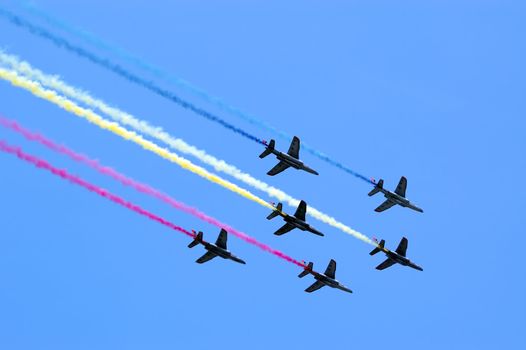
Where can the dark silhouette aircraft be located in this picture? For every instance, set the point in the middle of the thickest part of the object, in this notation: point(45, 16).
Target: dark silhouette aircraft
point(395, 257)
point(325, 279)
point(213, 250)
point(292, 222)
point(286, 160)
point(398, 197)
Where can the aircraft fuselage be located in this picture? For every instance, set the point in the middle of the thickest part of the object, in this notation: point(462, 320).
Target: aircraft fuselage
point(331, 282)
point(293, 162)
point(302, 225)
point(404, 202)
point(402, 260)
point(223, 253)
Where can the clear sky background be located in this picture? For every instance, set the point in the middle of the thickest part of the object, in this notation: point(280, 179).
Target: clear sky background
point(431, 90)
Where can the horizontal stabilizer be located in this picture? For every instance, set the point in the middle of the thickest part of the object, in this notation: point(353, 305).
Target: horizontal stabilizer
point(379, 248)
point(270, 148)
point(197, 239)
point(377, 188)
point(308, 269)
point(276, 212)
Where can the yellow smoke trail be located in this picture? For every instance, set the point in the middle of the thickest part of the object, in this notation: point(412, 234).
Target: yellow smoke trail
point(115, 128)
point(158, 133)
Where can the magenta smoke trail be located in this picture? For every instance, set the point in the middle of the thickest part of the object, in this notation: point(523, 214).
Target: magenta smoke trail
point(42, 164)
point(141, 187)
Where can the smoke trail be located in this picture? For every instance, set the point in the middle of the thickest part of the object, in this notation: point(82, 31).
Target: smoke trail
point(181, 83)
point(115, 128)
point(159, 134)
point(10, 124)
point(51, 96)
point(42, 164)
point(105, 63)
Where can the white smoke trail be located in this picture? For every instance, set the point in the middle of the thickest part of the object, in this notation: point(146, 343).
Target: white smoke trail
point(158, 133)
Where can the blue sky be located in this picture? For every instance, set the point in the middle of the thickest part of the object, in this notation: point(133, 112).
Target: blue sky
point(432, 91)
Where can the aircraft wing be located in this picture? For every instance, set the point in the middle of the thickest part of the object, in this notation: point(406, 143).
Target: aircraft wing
point(331, 269)
point(315, 286)
point(208, 256)
point(294, 149)
point(284, 229)
point(278, 168)
point(402, 247)
point(221, 239)
point(385, 264)
point(402, 185)
point(384, 206)
point(300, 212)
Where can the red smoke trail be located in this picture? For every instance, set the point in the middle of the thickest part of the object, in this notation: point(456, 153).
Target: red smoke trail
point(137, 185)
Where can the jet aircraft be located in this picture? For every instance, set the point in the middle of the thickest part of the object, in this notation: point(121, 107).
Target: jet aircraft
point(213, 250)
point(286, 160)
point(397, 256)
point(326, 279)
point(292, 222)
point(398, 197)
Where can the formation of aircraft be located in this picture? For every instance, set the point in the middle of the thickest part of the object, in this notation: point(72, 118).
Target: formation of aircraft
point(393, 198)
point(286, 160)
point(292, 222)
point(213, 250)
point(396, 257)
point(328, 278)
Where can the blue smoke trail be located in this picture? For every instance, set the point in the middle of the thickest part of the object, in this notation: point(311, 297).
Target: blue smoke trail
point(105, 63)
point(181, 83)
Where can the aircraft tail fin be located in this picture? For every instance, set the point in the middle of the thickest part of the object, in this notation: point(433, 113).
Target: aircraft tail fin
point(197, 239)
point(381, 246)
point(377, 188)
point(269, 149)
point(308, 269)
point(275, 212)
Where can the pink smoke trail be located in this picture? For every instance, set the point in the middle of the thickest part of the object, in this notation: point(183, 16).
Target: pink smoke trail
point(142, 188)
point(42, 164)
